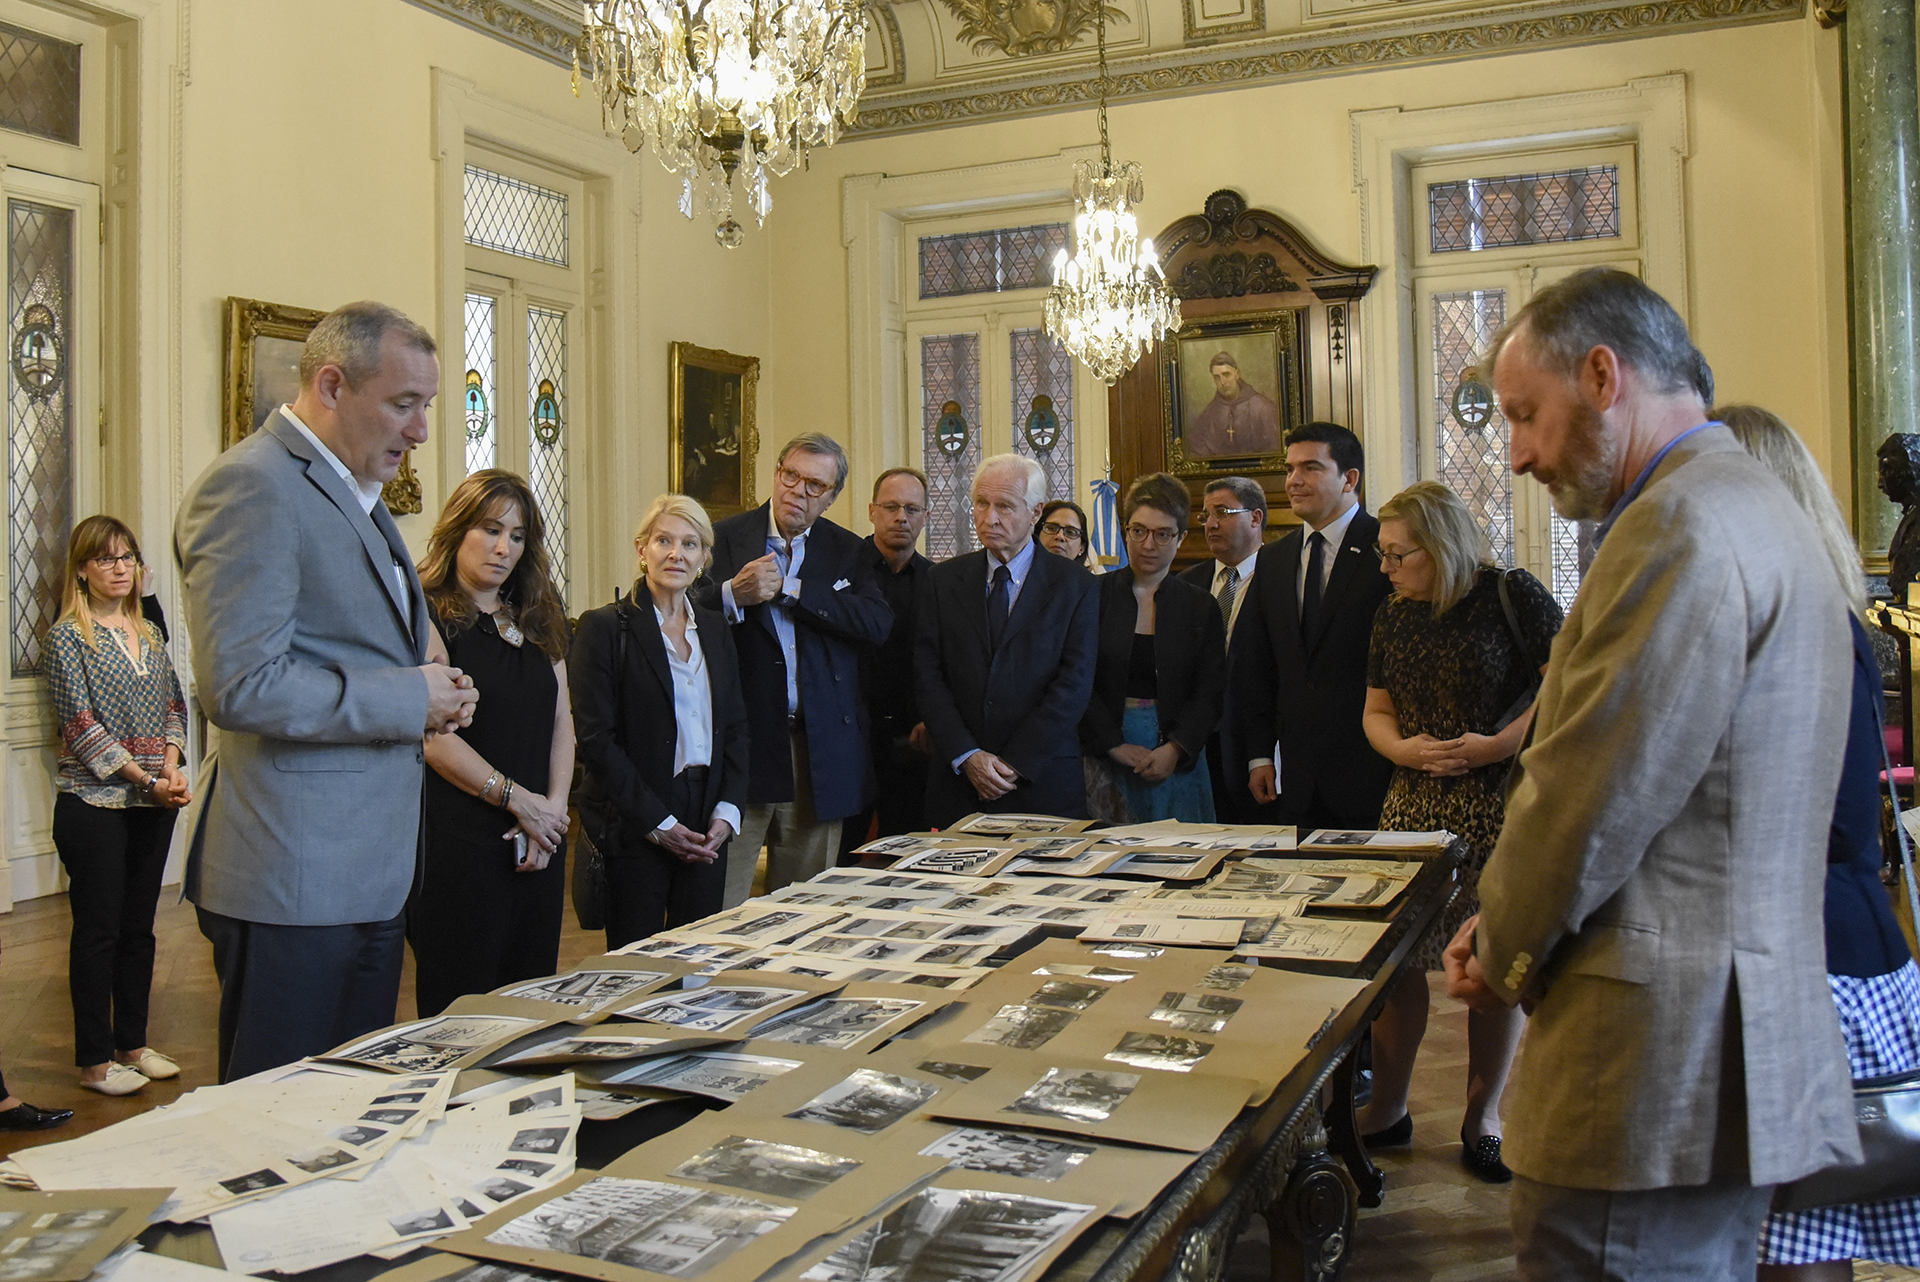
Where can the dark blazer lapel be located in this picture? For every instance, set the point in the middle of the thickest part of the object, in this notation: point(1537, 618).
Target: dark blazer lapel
point(1116, 623)
point(380, 556)
point(1347, 564)
point(1042, 574)
point(1286, 589)
point(974, 584)
point(645, 629)
point(416, 597)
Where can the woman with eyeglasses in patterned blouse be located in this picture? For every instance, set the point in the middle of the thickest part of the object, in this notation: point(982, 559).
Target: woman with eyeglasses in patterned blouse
point(123, 733)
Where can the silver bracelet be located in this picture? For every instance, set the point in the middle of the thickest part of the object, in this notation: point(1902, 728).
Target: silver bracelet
point(493, 781)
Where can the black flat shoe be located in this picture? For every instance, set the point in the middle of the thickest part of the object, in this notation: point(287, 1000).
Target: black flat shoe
point(1481, 1157)
point(1395, 1136)
point(25, 1117)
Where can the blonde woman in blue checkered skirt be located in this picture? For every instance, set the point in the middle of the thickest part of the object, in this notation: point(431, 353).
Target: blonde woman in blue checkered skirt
point(1875, 985)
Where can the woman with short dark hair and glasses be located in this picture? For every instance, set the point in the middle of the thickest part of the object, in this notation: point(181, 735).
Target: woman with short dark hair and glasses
point(1158, 681)
point(1063, 530)
point(123, 732)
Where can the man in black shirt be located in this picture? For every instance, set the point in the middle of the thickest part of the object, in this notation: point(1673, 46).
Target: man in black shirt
point(899, 739)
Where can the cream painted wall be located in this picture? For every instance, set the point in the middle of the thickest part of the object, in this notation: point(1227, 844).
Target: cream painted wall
point(308, 179)
point(1764, 229)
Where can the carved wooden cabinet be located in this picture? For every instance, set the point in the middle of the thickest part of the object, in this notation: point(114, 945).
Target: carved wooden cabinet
point(1268, 341)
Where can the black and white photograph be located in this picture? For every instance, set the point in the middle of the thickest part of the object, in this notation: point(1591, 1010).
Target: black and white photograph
point(712, 1009)
point(838, 1022)
point(1076, 1094)
point(954, 1235)
point(953, 1071)
point(1016, 825)
point(1128, 952)
point(764, 925)
point(1018, 1153)
point(488, 1272)
point(399, 1097)
point(526, 1166)
point(603, 1047)
point(1227, 977)
point(832, 945)
point(1067, 994)
point(905, 843)
point(431, 1219)
point(552, 1097)
point(429, 1045)
point(1061, 847)
point(390, 1116)
point(1104, 974)
point(253, 1182)
point(499, 1188)
point(957, 861)
point(716, 1074)
point(1164, 1052)
point(360, 1136)
point(326, 1159)
point(759, 1166)
point(920, 928)
point(947, 953)
point(1022, 1027)
point(587, 988)
point(866, 1101)
point(539, 1139)
point(663, 1228)
point(26, 1267)
point(1108, 895)
point(1195, 1012)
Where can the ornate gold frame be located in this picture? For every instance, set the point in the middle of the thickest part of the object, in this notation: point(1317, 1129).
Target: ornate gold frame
point(1287, 324)
point(249, 319)
point(747, 369)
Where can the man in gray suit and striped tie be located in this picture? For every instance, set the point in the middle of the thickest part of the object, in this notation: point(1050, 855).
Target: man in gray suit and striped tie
point(309, 634)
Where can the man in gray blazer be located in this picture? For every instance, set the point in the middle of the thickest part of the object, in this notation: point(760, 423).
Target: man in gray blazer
point(1655, 896)
point(309, 639)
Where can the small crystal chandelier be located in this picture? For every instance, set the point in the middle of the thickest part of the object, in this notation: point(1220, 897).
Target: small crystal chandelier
point(721, 87)
point(1109, 302)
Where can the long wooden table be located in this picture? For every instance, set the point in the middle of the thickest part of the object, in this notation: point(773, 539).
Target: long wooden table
point(1297, 1159)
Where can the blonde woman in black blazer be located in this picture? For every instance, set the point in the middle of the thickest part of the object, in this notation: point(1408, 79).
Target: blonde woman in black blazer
point(663, 731)
point(1158, 680)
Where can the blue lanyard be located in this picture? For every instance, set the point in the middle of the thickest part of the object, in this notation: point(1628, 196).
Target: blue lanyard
point(1640, 483)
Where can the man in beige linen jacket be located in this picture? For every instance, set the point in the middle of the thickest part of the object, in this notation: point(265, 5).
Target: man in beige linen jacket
point(1655, 896)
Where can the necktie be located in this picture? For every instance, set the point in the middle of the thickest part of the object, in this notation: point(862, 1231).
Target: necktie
point(1228, 590)
point(997, 601)
point(1310, 599)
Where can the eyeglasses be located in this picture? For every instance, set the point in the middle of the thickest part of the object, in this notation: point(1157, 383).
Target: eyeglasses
point(794, 481)
point(1392, 560)
point(895, 509)
point(1222, 513)
point(129, 559)
point(1159, 538)
point(1060, 531)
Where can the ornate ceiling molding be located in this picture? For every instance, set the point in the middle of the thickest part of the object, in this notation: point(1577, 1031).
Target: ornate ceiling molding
point(1300, 55)
point(547, 29)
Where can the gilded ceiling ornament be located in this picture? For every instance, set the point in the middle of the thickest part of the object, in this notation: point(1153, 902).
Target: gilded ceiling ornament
point(1021, 27)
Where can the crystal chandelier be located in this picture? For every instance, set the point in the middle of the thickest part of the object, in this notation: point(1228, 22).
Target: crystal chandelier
point(725, 87)
point(1109, 302)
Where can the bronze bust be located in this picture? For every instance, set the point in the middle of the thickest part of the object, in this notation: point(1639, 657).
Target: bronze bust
point(1899, 457)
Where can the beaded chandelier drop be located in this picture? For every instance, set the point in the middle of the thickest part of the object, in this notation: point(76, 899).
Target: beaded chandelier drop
point(725, 87)
point(1109, 302)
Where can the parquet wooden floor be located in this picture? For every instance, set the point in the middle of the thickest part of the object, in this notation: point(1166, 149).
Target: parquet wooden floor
point(1437, 1225)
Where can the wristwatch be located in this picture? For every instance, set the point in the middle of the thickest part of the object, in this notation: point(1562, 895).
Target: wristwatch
point(146, 785)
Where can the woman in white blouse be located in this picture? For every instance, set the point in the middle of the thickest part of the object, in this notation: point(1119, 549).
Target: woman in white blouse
point(662, 728)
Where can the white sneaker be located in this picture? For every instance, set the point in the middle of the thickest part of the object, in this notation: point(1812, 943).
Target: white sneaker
point(155, 1066)
point(121, 1079)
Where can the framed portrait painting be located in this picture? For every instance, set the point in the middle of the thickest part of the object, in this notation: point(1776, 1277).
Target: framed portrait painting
point(264, 342)
point(713, 440)
point(1234, 388)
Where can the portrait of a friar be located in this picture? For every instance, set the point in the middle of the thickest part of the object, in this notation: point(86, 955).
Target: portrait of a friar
point(1239, 419)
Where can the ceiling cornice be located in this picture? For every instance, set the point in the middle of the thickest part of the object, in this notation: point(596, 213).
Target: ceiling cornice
point(548, 29)
point(1300, 55)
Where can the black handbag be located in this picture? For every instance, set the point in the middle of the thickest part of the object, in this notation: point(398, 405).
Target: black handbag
point(600, 817)
point(1886, 1109)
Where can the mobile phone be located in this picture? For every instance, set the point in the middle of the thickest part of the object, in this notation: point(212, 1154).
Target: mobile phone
point(520, 855)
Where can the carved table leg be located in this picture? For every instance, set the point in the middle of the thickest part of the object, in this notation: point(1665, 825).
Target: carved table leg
point(1369, 1179)
point(1310, 1224)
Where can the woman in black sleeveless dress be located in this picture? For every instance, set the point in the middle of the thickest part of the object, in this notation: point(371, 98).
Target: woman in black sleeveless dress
point(487, 911)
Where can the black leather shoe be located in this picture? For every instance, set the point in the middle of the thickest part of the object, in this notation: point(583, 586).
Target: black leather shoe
point(25, 1117)
point(1481, 1157)
point(1395, 1136)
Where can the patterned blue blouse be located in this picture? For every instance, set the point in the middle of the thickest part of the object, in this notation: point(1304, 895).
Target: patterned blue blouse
point(109, 712)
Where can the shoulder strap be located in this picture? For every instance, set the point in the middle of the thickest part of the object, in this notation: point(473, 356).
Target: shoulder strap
point(619, 667)
point(1513, 624)
point(1900, 839)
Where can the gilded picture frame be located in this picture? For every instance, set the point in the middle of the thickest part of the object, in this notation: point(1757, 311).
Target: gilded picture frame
point(713, 439)
point(1233, 387)
point(264, 341)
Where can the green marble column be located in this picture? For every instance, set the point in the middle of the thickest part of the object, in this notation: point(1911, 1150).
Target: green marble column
point(1883, 223)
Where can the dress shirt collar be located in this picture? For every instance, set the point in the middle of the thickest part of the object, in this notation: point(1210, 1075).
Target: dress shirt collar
point(1245, 567)
point(1335, 531)
point(368, 492)
point(1017, 568)
point(775, 537)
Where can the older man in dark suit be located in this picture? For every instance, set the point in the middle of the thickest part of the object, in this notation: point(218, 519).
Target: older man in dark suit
point(1300, 671)
point(803, 601)
point(1003, 657)
point(1234, 519)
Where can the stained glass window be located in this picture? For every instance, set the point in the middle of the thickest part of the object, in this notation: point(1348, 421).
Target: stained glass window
point(1473, 462)
point(990, 262)
point(39, 419)
point(39, 85)
point(482, 424)
point(1043, 406)
point(1524, 209)
point(515, 217)
point(950, 392)
point(546, 419)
